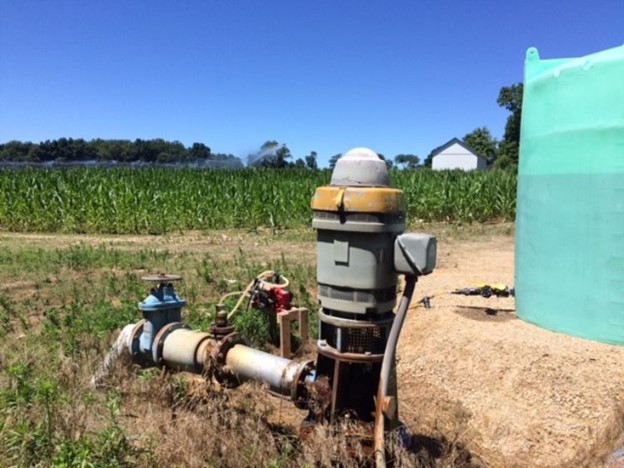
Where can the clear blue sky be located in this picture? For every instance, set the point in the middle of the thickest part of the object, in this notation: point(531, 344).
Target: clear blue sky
point(399, 76)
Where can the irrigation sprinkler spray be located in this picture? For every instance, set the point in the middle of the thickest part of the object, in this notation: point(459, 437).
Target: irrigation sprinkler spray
point(361, 249)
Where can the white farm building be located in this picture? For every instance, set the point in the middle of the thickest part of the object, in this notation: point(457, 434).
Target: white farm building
point(455, 154)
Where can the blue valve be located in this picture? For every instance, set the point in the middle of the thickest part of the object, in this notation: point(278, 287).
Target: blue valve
point(163, 306)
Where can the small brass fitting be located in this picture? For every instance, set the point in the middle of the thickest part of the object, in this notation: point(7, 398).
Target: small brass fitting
point(221, 316)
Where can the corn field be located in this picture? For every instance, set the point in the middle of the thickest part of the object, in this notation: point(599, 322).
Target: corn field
point(160, 200)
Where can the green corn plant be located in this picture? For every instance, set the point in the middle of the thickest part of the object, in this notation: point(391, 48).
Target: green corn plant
point(162, 200)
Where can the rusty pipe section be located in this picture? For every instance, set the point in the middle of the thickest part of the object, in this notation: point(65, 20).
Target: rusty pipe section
point(175, 346)
point(280, 374)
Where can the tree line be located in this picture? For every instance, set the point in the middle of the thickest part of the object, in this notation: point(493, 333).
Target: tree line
point(501, 154)
point(65, 150)
point(123, 151)
point(277, 155)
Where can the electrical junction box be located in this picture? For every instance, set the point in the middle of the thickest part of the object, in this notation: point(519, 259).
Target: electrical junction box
point(415, 254)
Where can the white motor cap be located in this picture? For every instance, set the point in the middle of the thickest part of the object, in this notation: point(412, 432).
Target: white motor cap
point(360, 167)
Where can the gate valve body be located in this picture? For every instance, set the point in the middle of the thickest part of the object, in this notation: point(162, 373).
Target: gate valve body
point(161, 307)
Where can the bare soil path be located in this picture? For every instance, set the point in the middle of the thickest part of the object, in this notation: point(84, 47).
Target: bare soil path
point(513, 393)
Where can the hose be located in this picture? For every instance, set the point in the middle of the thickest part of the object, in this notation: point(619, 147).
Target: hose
point(243, 295)
point(386, 368)
point(230, 294)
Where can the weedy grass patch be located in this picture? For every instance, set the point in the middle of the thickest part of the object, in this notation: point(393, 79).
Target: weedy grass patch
point(58, 320)
point(61, 306)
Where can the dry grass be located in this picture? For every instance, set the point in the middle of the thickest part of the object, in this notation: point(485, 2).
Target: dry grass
point(182, 420)
point(146, 417)
point(59, 324)
point(185, 421)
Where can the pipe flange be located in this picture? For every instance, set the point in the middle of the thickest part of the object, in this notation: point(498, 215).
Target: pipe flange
point(222, 373)
point(134, 345)
point(227, 342)
point(331, 352)
point(135, 335)
point(219, 332)
point(159, 340)
point(299, 392)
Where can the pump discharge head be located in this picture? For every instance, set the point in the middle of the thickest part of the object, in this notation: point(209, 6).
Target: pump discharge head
point(360, 249)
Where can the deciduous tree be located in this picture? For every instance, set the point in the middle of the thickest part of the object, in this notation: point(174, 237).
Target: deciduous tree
point(482, 141)
point(407, 161)
point(310, 160)
point(510, 97)
point(333, 160)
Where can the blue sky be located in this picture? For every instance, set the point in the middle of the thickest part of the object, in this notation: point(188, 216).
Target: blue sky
point(397, 76)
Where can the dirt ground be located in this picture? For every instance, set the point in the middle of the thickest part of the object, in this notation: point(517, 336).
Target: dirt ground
point(511, 393)
point(515, 394)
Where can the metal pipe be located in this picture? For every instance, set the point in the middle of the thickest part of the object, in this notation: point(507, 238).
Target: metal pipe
point(251, 364)
point(384, 405)
point(178, 347)
point(185, 349)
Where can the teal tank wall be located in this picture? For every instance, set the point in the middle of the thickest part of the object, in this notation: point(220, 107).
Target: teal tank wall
point(570, 205)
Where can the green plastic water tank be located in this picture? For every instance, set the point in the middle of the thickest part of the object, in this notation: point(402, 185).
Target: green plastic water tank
point(570, 206)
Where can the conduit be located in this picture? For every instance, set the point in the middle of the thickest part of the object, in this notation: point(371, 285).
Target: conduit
point(384, 403)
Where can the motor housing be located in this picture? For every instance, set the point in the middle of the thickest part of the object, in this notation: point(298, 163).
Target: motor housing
point(358, 218)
